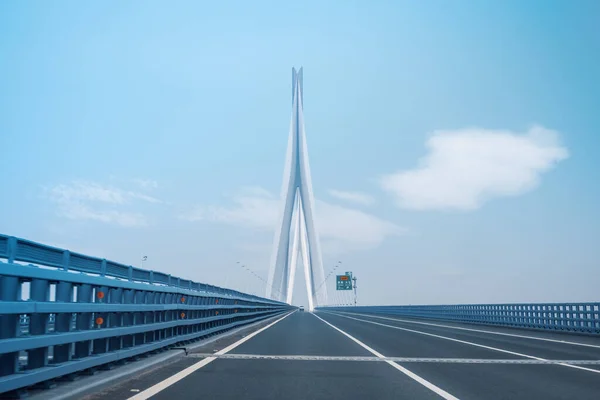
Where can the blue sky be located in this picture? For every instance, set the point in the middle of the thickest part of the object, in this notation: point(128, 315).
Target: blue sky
point(453, 146)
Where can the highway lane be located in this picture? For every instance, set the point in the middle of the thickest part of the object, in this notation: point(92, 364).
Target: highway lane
point(539, 344)
point(549, 335)
point(477, 381)
point(299, 334)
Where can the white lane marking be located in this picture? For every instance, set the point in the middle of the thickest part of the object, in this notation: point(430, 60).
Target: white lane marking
point(477, 330)
point(151, 391)
point(469, 343)
point(395, 359)
point(439, 391)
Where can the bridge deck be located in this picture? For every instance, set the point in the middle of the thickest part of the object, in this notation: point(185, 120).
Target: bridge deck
point(439, 360)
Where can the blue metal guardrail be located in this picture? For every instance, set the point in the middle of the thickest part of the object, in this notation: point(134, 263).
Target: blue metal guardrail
point(84, 312)
point(583, 318)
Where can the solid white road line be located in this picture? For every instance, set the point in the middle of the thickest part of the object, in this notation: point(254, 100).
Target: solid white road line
point(427, 384)
point(468, 343)
point(477, 330)
point(151, 391)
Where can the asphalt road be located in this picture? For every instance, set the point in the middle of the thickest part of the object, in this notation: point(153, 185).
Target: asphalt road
point(479, 369)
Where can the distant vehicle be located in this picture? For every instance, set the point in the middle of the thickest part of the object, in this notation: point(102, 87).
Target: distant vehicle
point(301, 308)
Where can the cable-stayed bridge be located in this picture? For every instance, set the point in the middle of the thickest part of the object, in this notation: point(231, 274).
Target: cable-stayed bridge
point(74, 326)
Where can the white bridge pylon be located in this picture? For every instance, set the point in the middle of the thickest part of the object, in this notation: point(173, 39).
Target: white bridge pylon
point(296, 233)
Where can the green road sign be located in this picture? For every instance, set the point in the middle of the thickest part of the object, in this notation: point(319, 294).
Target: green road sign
point(343, 282)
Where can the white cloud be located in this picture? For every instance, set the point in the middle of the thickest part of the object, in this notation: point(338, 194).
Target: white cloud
point(80, 211)
point(144, 197)
point(339, 227)
point(354, 197)
point(146, 184)
point(253, 207)
point(464, 168)
point(85, 191)
point(82, 200)
point(347, 227)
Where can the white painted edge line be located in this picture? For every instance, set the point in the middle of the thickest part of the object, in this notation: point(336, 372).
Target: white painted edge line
point(468, 343)
point(426, 383)
point(160, 386)
point(476, 330)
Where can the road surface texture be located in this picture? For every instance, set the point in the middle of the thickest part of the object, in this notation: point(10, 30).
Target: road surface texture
point(347, 356)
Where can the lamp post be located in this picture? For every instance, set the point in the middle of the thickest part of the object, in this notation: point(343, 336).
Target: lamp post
point(354, 279)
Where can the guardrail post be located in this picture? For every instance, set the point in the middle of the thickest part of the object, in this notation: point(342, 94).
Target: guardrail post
point(140, 317)
point(12, 249)
point(38, 323)
point(130, 273)
point(100, 346)
point(152, 316)
point(128, 298)
point(84, 320)
point(10, 290)
point(66, 259)
point(103, 267)
point(63, 322)
point(115, 319)
point(159, 334)
point(151, 277)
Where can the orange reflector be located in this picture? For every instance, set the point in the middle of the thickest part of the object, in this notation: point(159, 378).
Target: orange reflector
point(99, 321)
point(216, 313)
point(183, 299)
point(100, 295)
point(217, 301)
point(182, 315)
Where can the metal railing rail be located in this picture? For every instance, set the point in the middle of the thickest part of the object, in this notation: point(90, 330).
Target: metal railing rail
point(84, 312)
point(581, 318)
point(21, 250)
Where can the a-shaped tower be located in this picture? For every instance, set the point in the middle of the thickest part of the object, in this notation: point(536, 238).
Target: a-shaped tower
point(296, 233)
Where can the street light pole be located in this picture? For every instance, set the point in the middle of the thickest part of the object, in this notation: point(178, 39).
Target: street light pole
point(354, 279)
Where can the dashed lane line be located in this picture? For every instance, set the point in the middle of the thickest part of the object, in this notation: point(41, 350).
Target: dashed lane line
point(393, 359)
